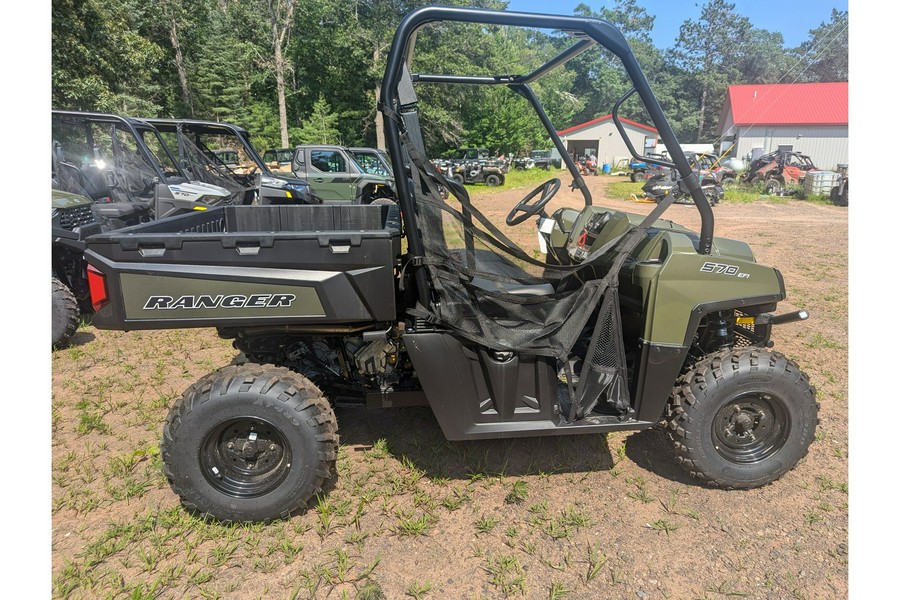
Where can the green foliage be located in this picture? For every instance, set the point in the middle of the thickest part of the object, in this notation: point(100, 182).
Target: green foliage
point(826, 50)
point(215, 60)
point(319, 127)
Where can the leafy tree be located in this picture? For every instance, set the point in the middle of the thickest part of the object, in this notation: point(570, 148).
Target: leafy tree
point(101, 61)
point(319, 127)
point(826, 50)
point(709, 50)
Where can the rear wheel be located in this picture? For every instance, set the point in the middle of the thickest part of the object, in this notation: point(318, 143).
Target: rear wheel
point(839, 195)
point(742, 418)
point(492, 180)
point(712, 196)
point(65, 314)
point(773, 187)
point(249, 443)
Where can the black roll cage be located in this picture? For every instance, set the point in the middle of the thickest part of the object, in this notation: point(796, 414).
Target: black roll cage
point(133, 126)
point(589, 32)
point(212, 128)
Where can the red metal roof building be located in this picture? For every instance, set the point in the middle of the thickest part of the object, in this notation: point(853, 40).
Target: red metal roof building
point(812, 118)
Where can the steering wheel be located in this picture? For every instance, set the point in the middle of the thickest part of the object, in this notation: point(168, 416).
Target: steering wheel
point(547, 190)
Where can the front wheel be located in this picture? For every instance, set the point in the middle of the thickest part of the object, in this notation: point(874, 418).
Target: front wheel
point(249, 443)
point(740, 419)
point(493, 180)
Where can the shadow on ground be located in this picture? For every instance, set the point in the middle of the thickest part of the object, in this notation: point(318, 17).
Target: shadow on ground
point(414, 434)
point(650, 450)
point(80, 339)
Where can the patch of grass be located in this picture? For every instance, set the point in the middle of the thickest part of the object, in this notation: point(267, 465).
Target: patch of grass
point(828, 484)
point(663, 525)
point(595, 562)
point(413, 525)
point(624, 189)
point(518, 493)
point(820, 341)
point(641, 493)
point(486, 524)
point(379, 449)
point(558, 590)
point(517, 179)
point(456, 499)
point(506, 574)
point(418, 590)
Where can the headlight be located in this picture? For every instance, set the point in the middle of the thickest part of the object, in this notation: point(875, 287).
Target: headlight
point(274, 182)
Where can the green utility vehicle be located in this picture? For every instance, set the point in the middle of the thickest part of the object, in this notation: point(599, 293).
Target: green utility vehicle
point(373, 160)
point(629, 321)
point(72, 220)
point(334, 175)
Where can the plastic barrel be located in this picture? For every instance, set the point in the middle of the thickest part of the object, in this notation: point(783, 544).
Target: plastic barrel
point(606, 168)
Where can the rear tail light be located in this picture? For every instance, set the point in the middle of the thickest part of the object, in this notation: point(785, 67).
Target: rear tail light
point(97, 287)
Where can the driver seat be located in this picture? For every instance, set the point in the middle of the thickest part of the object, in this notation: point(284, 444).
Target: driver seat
point(487, 261)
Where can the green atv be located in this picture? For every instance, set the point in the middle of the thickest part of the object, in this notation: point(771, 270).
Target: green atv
point(72, 220)
point(628, 322)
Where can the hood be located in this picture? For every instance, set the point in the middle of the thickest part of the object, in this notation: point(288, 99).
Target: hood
point(61, 199)
point(196, 189)
point(279, 181)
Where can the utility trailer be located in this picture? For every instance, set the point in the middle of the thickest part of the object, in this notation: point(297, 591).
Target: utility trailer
point(628, 322)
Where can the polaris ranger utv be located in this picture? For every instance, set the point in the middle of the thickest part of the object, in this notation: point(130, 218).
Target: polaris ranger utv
point(197, 144)
point(125, 167)
point(629, 322)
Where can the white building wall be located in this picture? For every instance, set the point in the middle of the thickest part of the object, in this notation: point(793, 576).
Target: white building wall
point(827, 145)
point(610, 145)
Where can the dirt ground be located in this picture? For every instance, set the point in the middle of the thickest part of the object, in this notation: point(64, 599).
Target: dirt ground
point(412, 515)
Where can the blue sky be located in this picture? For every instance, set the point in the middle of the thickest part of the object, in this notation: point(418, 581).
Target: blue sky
point(793, 18)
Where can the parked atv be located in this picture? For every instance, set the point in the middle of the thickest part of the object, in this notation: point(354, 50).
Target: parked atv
point(247, 173)
point(628, 322)
point(334, 175)
point(373, 161)
point(840, 192)
point(541, 159)
point(779, 171)
point(486, 171)
point(125, 167)
point(659, 187)
point(587, 165)
point(279, 159)
point(642, 170)
point(666, 181)
point(72, 220)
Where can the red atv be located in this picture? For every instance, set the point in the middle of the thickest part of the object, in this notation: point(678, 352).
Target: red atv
point(778, 170)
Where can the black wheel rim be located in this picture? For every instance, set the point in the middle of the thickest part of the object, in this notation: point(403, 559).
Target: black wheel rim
point(751, 428)
point(245, 457)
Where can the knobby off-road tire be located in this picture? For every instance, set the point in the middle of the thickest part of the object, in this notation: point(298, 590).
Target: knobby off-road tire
point(493, 180)
point(65, 313)
point(742, 418)
point(249, 443)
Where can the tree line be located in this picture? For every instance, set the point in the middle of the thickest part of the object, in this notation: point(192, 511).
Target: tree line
point(309, 71)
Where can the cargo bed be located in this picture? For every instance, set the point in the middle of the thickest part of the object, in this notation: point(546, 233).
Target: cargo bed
point(250, 266)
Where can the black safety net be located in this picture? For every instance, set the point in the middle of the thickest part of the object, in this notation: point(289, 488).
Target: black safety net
point(495, 294)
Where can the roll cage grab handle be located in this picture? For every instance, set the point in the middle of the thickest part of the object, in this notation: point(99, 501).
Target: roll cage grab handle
point(590, 32)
